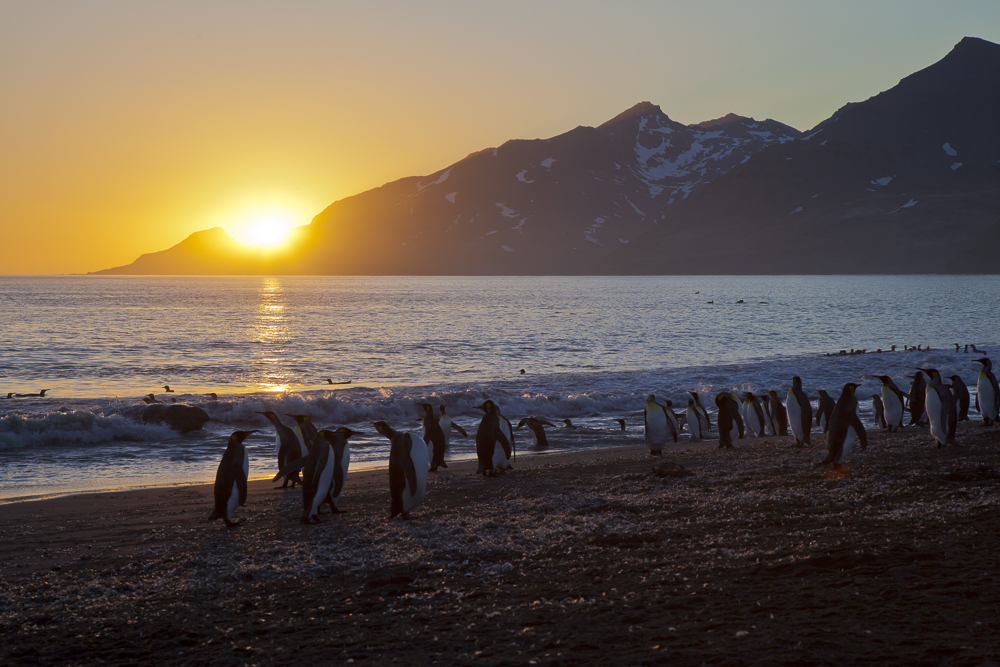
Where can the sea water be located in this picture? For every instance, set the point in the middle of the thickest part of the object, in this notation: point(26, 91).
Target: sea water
point(591, 349)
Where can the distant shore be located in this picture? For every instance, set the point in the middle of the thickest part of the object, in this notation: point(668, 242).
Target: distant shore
point(610, 556)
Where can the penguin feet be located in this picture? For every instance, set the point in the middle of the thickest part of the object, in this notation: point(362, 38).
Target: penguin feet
point(444, 465)
point(233, 524)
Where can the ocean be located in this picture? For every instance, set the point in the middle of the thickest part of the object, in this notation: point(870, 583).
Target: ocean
point(591, 349)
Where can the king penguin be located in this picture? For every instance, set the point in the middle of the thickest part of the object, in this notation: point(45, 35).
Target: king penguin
point(780, 414)
point(824, 411)
point(286, 446)
point(658, 427)
point(845, 428)
point(537, 428)
point(317, 477)
point(407, 470)
point(493, 449)
point(879, 411)
point(341, 463)
point(940, 405)
point(961, 396)
point(434, 437)
point(305, 432)
point(447, 426)
point(893, 402)
point(694, 421)
point(508, 430)
point(675, 420)
point(231, 479)
point(987, 393)
point(918, 392)
point(706, 423)
point(754, 415)
point(729, 428)
point(769, 421)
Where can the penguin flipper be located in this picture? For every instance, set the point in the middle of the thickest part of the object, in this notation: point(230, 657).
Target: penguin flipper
point(502, 439)
point(409, 471)
point(859, 430)
point(294, 466)
point(458, 428)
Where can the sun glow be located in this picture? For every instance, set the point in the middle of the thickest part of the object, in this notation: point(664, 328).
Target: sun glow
point(266, 231)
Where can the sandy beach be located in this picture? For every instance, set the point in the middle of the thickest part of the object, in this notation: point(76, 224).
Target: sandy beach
point(731, 557)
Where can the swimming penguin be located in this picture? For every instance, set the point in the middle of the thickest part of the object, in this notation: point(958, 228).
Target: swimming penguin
point(941, 408)
point(918, 389)
point(893, 402)
point(658, 426)
point(706, 423)
point(493, 449)
point(286, 447)
point(407, 470)
point(214, 396)
point(621, 422)
point(729, 429)
point(693, 421)
point(879, 411)
point(780, 414)
point(341, 463)
point(329, 381)
point(961, 396)
point(754, 415)
point(147, 399)
point(769, 423)
point(537, 429)
point(987, 392)
point(304, 431)
point(447, 426)
point(567, 424)
point(845, 427)
point(824, 410)
point(231, 479)
point(39, 394)
point(434, 437)
point(167, 389)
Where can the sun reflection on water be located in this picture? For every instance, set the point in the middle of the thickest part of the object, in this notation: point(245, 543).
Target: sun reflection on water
point(271, 331)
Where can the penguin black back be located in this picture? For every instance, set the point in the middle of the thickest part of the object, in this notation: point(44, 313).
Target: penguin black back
point(537, 427)
point(230, 489)
point(918, 389)
point(434, 437)
point(488, 435)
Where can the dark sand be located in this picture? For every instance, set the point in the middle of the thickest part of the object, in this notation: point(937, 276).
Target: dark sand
point(579, 558)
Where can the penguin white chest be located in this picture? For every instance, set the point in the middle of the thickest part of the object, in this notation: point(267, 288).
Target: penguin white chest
point(987, 397)
point(794, 415)
point(656, 427)
point(324, 481)
point(935, 411)
point(892, 407)
point(413, 496)
point(345, 462)
point(694, 424)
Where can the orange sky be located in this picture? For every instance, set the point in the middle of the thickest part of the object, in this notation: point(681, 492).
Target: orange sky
point(126, 126)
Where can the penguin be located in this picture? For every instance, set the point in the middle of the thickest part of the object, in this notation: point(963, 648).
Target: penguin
point(729, 430)
point(918, 389)
point(508, 430)
point(147, 399)
point(962, 396)
point(621, 423)
point(286, 447)
point(317, 477)
point(675, 420)
point(329, 381)
point(706, 423)
point(39, 394)
point(754, 415)
point(231, 479)
point(879, 411)
point(304, 432)
point(693, 421)
point(567, 424)
point(341, 463)
point(845, 427)
point(167, 389)
point(738, 416)
point(658, 427)
point(769, 423)
point(941, 409)
point(434, 436)
point(987, 392)
point(447, 426)
point(213, 396)
point(407, 470)
point(780, 414)
point(492, 458)
point(824, 410)
point(537, 428)
point(892, 402)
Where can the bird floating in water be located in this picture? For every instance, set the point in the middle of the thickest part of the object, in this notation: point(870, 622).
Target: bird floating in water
point(167, 389)
point(329, 381)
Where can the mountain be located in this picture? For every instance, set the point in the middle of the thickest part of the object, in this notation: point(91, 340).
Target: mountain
point(558, 205)
point(907, 181)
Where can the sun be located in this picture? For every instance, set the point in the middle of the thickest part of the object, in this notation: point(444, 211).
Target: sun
point(267, 231)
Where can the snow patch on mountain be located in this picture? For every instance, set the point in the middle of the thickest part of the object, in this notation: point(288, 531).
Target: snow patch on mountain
point(451, 196)
point(506, 212)
point(949, 150)
point(547, 162)
point(441, 179)
point(521, 177)
point(883, 181)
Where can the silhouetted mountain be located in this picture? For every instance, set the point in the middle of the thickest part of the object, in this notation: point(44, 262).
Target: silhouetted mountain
point(907, 181)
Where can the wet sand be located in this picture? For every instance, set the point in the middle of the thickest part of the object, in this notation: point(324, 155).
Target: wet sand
point(731, 557)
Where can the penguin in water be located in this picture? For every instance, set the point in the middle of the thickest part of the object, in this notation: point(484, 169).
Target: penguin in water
point(167, 389)
point(147, 399)
point(537, 428)
point(407, 470)
point(941, 408)
point(845, 428)
point(694, 421)
point(286, 446)
point(780, 414)
point(493, 448)
point(962, 396)
point(215, 396)
point(918, 390)
point(434, 436)
point(706, 423)
point(729, 427)
point(987, 392)
point(754, 415)
point(231, 479)
point(621, 423)
point(893, 402)
point(40, 394)
point(305, 432)
point(879, 411)
point(824, 411)
point(567, 424)
point(658, 427)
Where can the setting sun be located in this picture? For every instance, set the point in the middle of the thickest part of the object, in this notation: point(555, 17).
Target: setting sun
point(266, 231)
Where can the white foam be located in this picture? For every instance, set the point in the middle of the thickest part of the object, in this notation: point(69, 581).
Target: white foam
point(949, 150)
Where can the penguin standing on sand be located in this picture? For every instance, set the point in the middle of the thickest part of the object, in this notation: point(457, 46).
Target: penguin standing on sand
point(893, 402)
point(658, 427)
point(706, 423)
point(305, 432)
point(694, 421)
point(961, 393)
point(286, 446)
point(769, 423)
point(845, 428)
point(317, 477)
point(987, 392)
point(754, 415)
point(728, 413)
point(918, 390)
point(447, 426)
point(780, 414)
point(879, 411)
point(407, 470)
point(824, 411)
point(493, 449)
point(508, 430)
point(341, 463)
point(675, 420)
point(537, 428)
point(941, 408)
point(434, 436)
point(231, 479)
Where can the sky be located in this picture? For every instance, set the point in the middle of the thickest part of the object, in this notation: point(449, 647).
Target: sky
point(125, 126)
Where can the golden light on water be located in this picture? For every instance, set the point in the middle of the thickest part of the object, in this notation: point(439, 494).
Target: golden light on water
point(270, 329)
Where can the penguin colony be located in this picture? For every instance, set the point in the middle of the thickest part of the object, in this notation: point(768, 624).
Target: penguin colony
point(318, 459)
